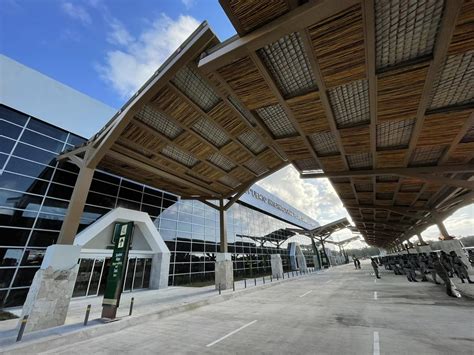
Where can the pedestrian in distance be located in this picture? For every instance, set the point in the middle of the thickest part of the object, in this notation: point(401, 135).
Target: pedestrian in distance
point(375, 267)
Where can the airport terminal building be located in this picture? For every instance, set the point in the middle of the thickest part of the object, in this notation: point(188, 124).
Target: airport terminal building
point(35, 190)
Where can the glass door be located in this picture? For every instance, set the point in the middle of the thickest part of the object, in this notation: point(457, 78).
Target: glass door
point(95, 278)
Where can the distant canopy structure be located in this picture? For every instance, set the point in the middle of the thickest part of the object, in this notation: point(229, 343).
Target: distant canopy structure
point(375, 95)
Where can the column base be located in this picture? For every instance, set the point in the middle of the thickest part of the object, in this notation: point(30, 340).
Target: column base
point(48, 299)
point(316, 262)
point(224, 271)
point(277, 266)
point(302, 263)
point(160, 270)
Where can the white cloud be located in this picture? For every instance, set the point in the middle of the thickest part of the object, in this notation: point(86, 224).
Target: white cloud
point(126, 69)
point(119, 35)
point(316, 198)
point(188, 3)
point(76, 12)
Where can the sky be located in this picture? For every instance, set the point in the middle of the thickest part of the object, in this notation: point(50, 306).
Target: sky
point(108, 49)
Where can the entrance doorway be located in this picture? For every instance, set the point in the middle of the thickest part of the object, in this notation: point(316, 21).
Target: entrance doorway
point(92, 275)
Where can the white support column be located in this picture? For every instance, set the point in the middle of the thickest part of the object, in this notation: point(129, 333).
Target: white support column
point(48, 298)
point(224, 271)
point(277, 266)
point(224, 268)
point(442, 229)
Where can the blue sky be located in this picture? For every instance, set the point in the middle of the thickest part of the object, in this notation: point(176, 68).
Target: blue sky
point(77, 41)
point(108, 49)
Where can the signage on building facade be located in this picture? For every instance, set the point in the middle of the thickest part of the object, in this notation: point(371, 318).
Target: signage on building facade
point(121, 238)
point(263, 200)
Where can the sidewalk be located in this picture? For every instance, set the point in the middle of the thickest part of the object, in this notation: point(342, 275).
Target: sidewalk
point(149, 305)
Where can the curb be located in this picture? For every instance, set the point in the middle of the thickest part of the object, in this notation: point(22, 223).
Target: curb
point(79, 333)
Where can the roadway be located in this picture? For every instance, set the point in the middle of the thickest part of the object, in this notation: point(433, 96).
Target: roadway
point(340, 311)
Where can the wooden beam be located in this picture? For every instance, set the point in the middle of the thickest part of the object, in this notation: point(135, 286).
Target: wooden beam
point(443, 180)
point(126, 150)
point(267, 137)
point(75, 209)
point(161, 173)
point(445, 32)
point(303, 16)
point(394, 171)
point(369, 39)
point(323, 96)
point(281, 101)
point(184, 54)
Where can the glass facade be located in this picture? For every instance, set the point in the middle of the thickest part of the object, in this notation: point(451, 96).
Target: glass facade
point(34, 195)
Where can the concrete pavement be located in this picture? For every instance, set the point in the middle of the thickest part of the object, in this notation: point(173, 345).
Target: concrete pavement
point(338, 312)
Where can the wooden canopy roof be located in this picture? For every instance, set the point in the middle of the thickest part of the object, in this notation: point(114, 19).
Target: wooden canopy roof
point(326, 230)
point(375, 95)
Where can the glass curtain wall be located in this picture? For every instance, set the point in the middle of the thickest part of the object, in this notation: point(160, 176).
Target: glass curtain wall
point(34, 195)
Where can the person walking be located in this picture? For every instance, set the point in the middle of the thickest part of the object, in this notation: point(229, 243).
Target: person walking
point(375, 267)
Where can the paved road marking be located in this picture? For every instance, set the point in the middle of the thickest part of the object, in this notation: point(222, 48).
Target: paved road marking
point(328, 281)
point(304, 294)
point(376, 344)
point(375, 295)
point(231, 333)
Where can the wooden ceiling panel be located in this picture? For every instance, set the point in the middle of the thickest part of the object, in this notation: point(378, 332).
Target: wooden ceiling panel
point(442, 128)
point(143, 138)
point(269, 158)
point(391, 158)
point(338, 43)
point(294, 148)
point(399, 92)
point(194, 145)
point(343, 188)
point(309, 113)
point(207, 171)
point(171, 104)
point(241, 174)
point(334, 163)
point(356, 139)
point(235, 151)
point(248, 83)
point(386, 187)
point(247, 16)
point(461, 154)
point(227, 119)
point(463, 39)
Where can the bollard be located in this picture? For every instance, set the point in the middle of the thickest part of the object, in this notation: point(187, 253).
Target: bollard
point(245, 283)
point(263, 278)
point(219, 289)
point(293, 273)
point(271, 278)
point(22, 328)
point(277, 277)
point(255, 279)
point(88, 311)
point(131, 306)
point(283, 275)
point(233, 285)
point(288, 274)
